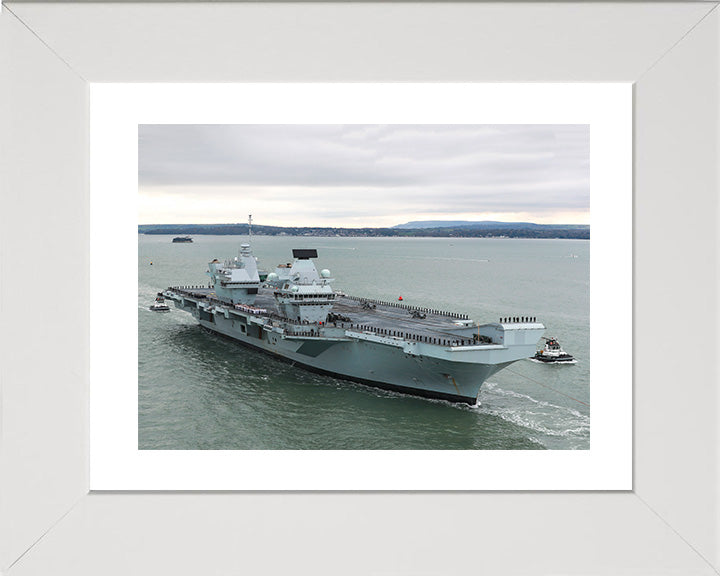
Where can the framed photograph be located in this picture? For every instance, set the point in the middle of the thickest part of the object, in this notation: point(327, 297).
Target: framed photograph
point(364, 197)
point(66, 405)
point(592, 123)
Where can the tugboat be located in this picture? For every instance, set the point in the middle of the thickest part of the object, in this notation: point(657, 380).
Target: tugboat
point(553, 353)
point(295, 314)
point(160, 305)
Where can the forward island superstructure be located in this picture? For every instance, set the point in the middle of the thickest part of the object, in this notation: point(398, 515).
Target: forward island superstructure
point(295, 314)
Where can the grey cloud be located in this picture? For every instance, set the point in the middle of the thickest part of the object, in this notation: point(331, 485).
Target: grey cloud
point(522, 168)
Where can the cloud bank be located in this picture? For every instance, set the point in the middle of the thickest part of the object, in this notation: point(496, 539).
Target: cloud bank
point(363, 175)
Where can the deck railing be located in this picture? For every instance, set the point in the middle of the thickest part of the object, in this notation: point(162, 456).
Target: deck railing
point(412, 336)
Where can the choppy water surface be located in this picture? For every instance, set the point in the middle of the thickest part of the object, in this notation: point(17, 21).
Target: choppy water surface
point(198, 390)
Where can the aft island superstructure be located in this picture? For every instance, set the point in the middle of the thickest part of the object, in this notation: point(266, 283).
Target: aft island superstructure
point(295, 314)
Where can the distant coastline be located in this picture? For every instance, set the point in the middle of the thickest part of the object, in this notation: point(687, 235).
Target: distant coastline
point(409, 230)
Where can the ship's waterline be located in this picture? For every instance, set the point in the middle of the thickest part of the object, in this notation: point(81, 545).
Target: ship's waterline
point(186, 378)
point(373, 364)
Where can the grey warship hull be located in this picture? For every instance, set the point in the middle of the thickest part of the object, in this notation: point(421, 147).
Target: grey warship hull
point(375, 343)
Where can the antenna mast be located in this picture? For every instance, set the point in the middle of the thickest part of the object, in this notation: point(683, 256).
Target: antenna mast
point(250, 225)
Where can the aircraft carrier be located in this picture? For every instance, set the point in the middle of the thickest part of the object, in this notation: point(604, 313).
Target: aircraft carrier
point(293, 313)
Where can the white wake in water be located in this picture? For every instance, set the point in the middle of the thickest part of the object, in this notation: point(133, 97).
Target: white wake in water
point(540, 416)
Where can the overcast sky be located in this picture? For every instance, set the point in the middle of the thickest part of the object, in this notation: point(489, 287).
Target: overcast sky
point(353, 176)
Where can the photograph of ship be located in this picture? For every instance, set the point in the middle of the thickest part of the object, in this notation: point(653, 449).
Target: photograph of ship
point(400, 287)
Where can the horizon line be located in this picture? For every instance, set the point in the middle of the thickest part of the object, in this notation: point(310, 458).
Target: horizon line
point(348, 227)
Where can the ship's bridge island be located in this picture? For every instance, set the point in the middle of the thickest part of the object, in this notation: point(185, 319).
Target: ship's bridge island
point(294, 314)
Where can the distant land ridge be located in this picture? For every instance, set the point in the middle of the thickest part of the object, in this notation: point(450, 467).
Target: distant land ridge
point(431, 228)
point(486, 224)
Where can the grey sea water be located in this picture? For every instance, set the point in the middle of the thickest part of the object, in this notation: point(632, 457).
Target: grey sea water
point(201, 391)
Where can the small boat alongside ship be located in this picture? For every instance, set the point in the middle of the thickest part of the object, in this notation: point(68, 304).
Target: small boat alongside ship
point(553, 353)
point(160, 305)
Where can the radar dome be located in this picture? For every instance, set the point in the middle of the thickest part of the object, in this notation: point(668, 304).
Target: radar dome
point(294, 289)
point(272, 277)
point(325, 273)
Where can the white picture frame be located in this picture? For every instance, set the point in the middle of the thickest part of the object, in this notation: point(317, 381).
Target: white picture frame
point(668, 524)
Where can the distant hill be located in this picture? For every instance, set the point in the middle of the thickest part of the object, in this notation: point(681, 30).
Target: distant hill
point(485, 224)
point(447, 229)
point(442, 224)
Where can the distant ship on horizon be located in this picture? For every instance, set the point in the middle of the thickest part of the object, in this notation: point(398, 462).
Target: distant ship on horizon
point(182, 239)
